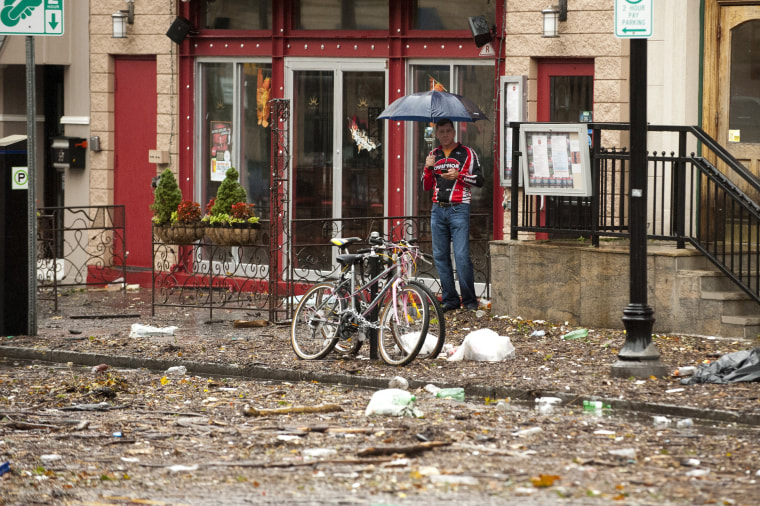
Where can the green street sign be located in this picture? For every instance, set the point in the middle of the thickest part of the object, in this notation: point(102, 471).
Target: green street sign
point(633, 19)
point(31, 17)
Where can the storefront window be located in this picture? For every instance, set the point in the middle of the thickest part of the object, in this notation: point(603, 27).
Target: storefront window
point(341, 15)
point(450, 14)
point(235, 128)
point(237, 14)
point(476, 83)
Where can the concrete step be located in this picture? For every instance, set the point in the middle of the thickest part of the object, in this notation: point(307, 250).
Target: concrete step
point(741, 326)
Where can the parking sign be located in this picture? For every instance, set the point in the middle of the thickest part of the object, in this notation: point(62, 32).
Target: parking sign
point(31, 17)
point(633, 19)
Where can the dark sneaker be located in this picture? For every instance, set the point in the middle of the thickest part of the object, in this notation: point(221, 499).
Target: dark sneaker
point(447, 308)
point(471, 307)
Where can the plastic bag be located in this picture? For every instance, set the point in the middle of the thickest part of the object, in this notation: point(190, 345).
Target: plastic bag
point(730, 368)
point(410, 339)
point(484, 345)
point(392, 402)
point(139, 330)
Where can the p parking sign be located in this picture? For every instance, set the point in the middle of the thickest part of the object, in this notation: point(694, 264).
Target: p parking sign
point(20, 180)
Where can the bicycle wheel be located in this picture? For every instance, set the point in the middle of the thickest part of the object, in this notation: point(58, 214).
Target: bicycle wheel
point(316, 321)
point(437, 326)
point(403, 325)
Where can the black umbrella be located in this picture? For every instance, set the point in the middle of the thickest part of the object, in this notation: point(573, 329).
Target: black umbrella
point(431, 106)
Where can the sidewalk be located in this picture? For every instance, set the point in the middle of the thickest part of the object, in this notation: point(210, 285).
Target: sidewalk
point(92, 327)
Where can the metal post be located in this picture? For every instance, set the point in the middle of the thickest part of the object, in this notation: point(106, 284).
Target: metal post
point(638, 357)
point(31, 216)
point(374, 271)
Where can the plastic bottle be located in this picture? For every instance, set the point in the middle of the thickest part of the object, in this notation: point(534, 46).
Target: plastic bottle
point(575, 334)
point(451, 393)
point(592, 405)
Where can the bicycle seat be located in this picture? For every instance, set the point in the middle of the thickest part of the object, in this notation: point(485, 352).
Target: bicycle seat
point(344, 242)
point(349, 259)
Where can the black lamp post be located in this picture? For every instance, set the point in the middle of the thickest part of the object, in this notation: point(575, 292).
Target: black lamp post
point(638, 358)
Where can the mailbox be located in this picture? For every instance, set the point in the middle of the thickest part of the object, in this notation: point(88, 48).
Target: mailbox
point(68, 152)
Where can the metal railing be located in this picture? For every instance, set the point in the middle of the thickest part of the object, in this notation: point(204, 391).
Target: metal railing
point(79, 246)
point(708, 200)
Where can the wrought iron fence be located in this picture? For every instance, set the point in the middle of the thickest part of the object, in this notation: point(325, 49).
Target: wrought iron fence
point(212, 276)
point(79, 246)
point(709, 200)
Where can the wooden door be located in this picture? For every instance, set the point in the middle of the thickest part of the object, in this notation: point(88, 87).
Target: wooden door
point(135, 106)
point(732, 80)
point(739, 90)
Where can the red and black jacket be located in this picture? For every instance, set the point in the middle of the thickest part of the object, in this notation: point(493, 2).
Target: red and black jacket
point(465, 160)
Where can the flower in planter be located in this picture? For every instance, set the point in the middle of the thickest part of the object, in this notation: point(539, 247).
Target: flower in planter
point(167, 198)
point(187, 213)
point(229, 207)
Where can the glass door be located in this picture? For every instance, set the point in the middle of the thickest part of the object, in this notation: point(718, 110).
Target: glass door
point(338, 154)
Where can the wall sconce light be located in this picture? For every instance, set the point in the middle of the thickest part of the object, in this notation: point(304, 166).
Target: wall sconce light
point(552, 17)
point(121, 19)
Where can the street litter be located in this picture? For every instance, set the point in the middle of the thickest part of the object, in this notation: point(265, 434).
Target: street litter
point(454, 479)
point(319, 452)
point(528, 432)
point(685, 371)
point(432, 388)
point(178, 468)
point(398, 382)
point(575, 334)
point(661, 421)
point(685, 423)
point(456, 394)
point(546, 404)
point(5, 467)
point(179, 370)
point(322, 408)
point(410, 340)
point(538, 333)
point(730, 368)
point(392, 402)
point(139, 330)
point(484, 345)
point(628, 453)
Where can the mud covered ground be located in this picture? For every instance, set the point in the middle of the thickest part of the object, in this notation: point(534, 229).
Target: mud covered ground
point(75, 435)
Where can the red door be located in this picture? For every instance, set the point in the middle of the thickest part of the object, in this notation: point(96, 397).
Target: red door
point(135, 107)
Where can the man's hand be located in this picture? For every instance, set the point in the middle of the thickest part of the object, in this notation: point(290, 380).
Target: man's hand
point(451, 174)
point(430, 161)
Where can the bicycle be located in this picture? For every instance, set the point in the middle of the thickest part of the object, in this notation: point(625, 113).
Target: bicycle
point(331, 312)
point(351, 346)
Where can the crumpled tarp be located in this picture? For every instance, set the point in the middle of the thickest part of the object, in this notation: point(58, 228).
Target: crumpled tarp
point(730, 368)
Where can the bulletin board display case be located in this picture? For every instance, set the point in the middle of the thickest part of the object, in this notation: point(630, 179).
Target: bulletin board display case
point(555, 159)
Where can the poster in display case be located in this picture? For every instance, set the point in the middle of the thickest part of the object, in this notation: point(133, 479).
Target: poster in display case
point(555, 159)
point(513, 109)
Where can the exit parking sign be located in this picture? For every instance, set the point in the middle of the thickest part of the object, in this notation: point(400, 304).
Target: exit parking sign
point(633, 19)
point(32, 17)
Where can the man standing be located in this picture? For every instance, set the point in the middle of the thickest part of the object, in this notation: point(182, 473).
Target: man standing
point(451, 170)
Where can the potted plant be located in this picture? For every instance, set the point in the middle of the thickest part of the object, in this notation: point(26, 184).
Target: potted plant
point(186, 225)
point(230, 219)
point(165, 201)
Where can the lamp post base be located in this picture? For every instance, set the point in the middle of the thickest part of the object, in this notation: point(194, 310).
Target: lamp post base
point(639, 358)
point(638, 369)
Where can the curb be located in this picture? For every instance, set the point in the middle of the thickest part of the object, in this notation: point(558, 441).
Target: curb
point(255, 372)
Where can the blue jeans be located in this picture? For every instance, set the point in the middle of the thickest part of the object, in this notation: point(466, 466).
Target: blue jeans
point(452, 225)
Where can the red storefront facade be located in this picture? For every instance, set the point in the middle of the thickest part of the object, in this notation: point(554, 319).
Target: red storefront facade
point(339, 64)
